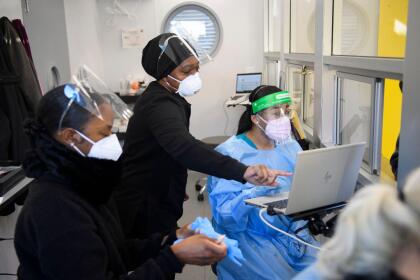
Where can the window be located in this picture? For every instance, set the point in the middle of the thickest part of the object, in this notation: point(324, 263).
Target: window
point(272, 72)
point(308, 98)
point(302, 26)
point(274, 25)
point(359, 116)
point(362, 48)
point(300, 84)
point(370, 28)
point(295, 86)
point(198, 25)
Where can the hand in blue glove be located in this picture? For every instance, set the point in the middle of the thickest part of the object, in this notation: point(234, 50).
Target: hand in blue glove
point(203, 226)
point(199, 250)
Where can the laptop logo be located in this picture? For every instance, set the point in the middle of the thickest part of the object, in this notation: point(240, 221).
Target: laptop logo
point(327, 177)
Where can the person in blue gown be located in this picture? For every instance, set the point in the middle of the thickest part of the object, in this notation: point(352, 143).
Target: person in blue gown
point(263, 138)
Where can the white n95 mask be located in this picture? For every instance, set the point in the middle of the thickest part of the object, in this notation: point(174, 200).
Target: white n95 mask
point(108, 148)
point(189, 86)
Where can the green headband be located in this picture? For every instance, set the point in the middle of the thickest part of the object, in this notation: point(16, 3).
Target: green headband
point(282, 97)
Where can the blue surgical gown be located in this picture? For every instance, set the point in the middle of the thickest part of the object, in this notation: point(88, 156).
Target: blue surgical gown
point(268, 254)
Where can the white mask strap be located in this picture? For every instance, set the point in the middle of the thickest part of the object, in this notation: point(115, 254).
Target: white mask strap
point(77, 149)
point(259, 126)
point(169, 85)
point(174, 79)
point(261, 118)
point(85, 137)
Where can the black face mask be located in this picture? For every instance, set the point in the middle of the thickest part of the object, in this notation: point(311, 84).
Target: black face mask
point(93, 179)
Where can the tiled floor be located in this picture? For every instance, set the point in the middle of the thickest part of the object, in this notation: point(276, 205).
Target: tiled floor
point(192, 209)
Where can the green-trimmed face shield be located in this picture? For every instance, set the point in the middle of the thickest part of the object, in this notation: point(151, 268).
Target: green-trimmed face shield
point(276, 104)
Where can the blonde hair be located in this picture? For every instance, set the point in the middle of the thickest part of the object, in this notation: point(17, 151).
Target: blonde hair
point(370, 231)
point(411, 190)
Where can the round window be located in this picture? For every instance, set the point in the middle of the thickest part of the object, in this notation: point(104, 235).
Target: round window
point(198, 25)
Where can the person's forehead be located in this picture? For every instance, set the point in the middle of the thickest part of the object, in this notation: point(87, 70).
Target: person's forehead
point(191, 61)
point(98, 125)
point(107, 113)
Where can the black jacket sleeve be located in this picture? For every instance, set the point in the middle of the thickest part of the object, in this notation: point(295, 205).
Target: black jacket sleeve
point(69, 247)
point(140, 250)
point(161, 267)
point(167, 124)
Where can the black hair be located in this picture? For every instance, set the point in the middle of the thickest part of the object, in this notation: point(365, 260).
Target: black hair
point(245, 123)
point(50, 109)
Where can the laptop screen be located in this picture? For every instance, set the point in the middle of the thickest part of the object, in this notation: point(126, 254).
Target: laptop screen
point(245, 83)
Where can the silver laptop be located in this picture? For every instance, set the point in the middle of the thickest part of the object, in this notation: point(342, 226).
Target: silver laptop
point(322, 177)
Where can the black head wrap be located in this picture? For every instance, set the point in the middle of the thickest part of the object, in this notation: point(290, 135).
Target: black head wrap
point(158, 63)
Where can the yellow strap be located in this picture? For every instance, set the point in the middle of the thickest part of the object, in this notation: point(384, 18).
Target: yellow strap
point(296, 123)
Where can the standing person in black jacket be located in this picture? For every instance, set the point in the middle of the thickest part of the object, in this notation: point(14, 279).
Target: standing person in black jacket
point(159, 147)
point(65, 230)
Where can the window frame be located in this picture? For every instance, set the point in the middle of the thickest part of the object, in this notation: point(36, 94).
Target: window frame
point(273, 58)
point(326, 65)
point(208, 11)
point(309, 131)
point(373, 166)
point(306, 126)
point(299, 68)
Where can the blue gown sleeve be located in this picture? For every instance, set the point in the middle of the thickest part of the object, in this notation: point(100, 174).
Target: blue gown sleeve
point(227, 196)
point(228, 206)
point(227, 202)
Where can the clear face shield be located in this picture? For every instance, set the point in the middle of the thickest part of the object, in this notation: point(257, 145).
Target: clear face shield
point(273, 110)
point(180, 46)
point(91, 94)
point(276, 112)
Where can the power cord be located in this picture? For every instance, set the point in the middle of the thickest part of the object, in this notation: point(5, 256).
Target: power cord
point(285, 233)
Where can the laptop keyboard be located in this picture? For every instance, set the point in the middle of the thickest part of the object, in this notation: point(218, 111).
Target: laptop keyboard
point(281, 204)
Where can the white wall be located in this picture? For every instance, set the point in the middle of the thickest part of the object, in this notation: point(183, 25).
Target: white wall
point(11, 9)
point(47, 34)
point(82, 34)
point(241, 51)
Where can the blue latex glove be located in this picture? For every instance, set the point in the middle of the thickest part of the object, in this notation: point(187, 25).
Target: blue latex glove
point(203, 226)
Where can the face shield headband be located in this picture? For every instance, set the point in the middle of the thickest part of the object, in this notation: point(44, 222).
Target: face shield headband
point(277, 98)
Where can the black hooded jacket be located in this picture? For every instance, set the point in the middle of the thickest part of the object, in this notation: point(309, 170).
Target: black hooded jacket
point(157, 152)
point(66, 230)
